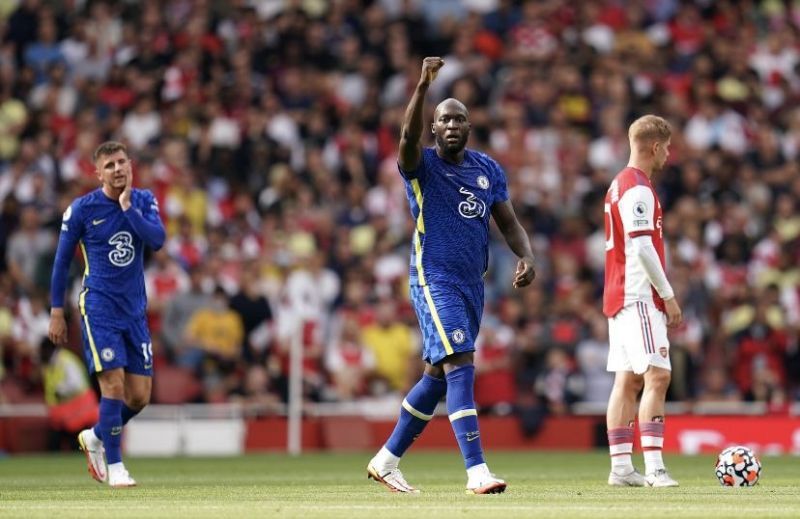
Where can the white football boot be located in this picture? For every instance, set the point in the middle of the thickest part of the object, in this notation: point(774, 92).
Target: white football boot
point(118, 476)
point(95, 454)
point(481, 481)
point(631, 479)
point(391, 478)
point(660, 478)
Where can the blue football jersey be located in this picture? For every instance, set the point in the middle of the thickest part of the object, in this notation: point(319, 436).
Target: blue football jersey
point(113, 277)
point(451, 205)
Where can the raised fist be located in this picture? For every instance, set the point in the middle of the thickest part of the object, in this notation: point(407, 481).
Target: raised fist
point(430, 68)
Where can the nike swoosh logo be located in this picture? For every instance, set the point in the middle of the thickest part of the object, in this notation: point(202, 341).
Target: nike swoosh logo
point(98, 222)
point(473, 436)
point(148, 366)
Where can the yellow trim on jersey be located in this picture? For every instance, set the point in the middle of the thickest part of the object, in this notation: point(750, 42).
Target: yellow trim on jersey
point(420, 229)
point(414, 412)
point(461, 414)
point(85, 259)
point(82, 305)
point(418, 254)
point(438, 322)
point(418, 196)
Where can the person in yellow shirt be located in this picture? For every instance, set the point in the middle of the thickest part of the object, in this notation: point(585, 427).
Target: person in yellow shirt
point(214, 330)
point(393, 344)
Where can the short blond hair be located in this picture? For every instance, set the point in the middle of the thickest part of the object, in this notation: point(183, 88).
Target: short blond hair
point(649, 128)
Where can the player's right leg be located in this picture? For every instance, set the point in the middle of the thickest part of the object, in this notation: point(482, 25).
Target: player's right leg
point(92, 447)
point(106, 357)
point(621, 413)
point(415, 413)
point(619, 421)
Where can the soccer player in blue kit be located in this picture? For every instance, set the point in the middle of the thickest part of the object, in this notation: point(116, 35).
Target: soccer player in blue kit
point(112, 224)
point(452, 192)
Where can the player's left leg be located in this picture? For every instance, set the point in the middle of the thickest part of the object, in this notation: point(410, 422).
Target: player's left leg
point(460, 376)
point(139, 371)
point(651, 408)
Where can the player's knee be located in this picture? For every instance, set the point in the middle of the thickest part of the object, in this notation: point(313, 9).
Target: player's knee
point(434, 371)
point(138, 402)
point(658, 379)
point(630, 385)
point(112, 384)
point(457, 360)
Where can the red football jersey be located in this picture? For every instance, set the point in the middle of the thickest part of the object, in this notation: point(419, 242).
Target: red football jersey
point(631, 209)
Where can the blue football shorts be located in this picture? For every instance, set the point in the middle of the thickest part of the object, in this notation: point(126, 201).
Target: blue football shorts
point(449, 318)
point(120, 342)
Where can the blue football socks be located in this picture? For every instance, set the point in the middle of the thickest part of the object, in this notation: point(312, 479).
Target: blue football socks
point(128, 413)
point(416, 412)
point(463, 415)
point(109, 428)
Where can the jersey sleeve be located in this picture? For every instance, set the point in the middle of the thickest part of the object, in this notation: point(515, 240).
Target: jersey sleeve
point(71, 232)
point(148, 205)
point(145, 219)
point(500, 184)
point(418, 173)
point(637, 207)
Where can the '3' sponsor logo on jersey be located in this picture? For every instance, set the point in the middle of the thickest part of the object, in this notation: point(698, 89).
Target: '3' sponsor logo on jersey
point(123, 252)
point(472, 207)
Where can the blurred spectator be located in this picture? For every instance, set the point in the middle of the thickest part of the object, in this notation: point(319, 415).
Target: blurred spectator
point(256, 392)
point(760, 359)
point(393, 345)
point(559, 385)
point(213, 332)
point(349, 362)
point(181, 307)
point(591, 355)
point(716, 387)
point(255, 314)
point(495, 388)
point(163, 280)
point(71, 402)
point(28, 248)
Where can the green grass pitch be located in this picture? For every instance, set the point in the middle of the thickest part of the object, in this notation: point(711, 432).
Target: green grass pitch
point(541, 485)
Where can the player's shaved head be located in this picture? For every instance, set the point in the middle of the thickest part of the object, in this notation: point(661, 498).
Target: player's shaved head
point(450, 105)
point(451, 128)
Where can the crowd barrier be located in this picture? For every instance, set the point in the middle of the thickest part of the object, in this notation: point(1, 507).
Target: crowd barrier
point(223, 430)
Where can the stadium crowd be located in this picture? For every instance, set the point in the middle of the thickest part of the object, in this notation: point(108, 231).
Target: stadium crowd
point(268, 132)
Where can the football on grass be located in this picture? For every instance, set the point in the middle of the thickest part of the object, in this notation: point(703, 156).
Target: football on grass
point(738, 466)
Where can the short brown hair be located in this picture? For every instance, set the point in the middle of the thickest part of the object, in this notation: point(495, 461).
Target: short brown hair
point(108, 148)
point(650, 128)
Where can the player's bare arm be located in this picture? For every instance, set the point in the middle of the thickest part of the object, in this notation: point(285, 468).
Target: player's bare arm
point(57, 331)
point(410, 152)
point(674, 314)
point(517, 240)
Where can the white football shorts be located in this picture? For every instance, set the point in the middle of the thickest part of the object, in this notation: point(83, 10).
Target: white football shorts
point(637, 339)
